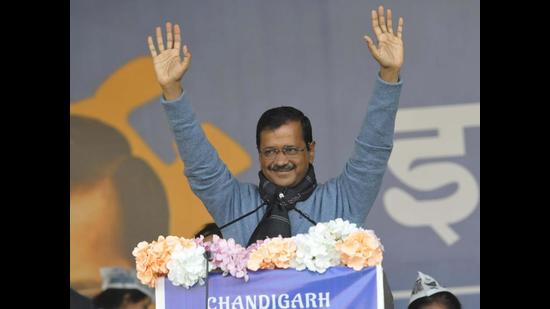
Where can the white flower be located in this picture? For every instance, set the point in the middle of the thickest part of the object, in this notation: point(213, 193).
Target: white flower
point(187, 266)
point(340, 229)
point(315, 252)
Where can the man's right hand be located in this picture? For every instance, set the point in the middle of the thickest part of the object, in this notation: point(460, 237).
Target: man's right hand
point(168, 65)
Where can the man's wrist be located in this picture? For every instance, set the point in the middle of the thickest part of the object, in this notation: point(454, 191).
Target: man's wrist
point(390, 75)
point(171, 92)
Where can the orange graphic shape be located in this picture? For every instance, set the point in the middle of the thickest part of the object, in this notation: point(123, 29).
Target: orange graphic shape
point(130, 87)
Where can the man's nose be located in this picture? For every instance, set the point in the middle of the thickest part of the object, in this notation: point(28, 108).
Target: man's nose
point(280, 158)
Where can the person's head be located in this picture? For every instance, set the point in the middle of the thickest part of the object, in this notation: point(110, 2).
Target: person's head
point(208, 231)
point(440, 300)
point(428, 294)
point(117, 200)
point(122, 299)
point(122, 290)
point(285, 144)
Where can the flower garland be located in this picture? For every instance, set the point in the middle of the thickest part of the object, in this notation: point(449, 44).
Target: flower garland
point(326, 245)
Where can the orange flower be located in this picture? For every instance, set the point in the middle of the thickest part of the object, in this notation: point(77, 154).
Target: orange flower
point(151, 258)
point(273, 253)
point(360, 249)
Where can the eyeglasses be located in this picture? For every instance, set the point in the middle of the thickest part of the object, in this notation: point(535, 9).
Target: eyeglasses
point(289, 151)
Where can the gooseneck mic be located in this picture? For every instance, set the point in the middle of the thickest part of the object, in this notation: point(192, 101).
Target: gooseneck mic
point(243, 216)
point(304, 215)
point(207, 254)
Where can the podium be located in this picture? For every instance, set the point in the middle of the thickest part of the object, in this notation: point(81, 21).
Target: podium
point(339, 287)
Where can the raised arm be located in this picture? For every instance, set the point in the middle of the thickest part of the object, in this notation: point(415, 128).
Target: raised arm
point(363, 173)
point(169, 67)
point(389, 52)
point(208, 176)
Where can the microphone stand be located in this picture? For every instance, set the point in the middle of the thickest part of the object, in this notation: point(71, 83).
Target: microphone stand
point(207, 254)
point(243, 216)
point(207, 258)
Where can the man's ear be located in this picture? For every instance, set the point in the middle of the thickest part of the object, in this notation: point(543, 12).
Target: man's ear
point(311, 152)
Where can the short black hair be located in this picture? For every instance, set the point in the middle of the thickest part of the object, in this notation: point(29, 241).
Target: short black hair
point(209, 229)
point(113, 298)
point(446, 299)
point(278, 116)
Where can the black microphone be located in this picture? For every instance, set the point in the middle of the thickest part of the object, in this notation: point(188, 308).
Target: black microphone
point(207, 254)
point(242, 217)
point(291, 205)
point(304, 215)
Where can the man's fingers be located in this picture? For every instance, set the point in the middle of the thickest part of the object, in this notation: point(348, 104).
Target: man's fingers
point(371, 46)
point(159, 40)
point(389, 22)
point(151, 45)
point(177, 37)
point(375, 25)
point(400, 27)
point(186, 56)
point(381, 19)
point(169, 37)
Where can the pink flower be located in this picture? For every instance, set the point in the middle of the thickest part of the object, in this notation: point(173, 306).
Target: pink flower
point(229, 256)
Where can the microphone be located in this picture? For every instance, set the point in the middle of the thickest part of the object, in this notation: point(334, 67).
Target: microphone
point(207, 254)
point(282, 198)
point(304, 215)
point(243, 216)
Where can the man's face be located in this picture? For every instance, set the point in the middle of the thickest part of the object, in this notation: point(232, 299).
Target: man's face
point(285, 170)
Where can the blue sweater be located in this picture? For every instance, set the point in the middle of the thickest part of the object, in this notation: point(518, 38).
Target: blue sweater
point(349, 196)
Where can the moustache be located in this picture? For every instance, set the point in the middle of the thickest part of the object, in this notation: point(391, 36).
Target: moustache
point(282, 168)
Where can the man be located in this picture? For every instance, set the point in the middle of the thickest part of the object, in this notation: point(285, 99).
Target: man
point(288, 199)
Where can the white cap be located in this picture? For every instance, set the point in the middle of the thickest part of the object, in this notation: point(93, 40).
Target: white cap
point(425, 286)
point(121, 278)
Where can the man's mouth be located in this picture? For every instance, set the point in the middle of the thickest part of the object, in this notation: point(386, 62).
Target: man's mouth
point(282, 169)
point(282, 172)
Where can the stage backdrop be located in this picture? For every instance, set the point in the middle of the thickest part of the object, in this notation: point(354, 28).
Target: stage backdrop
point(249, 56)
